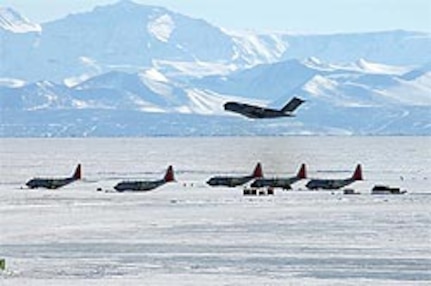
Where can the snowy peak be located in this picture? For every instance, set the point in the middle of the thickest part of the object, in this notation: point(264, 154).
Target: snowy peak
point(129, 36)
point(12, 21)
point(122, 11)
point(133, 8)
point(317, 64)
point(126, 4)
point(319, 85)
point(361, 66)
point(113, 79)
point(150, 86)
point(127, 33)
point(375, 68)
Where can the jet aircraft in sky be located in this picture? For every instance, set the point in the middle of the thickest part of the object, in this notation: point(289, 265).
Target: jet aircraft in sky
point(232, 181)
point(53, 183)
point(257, 112)
point(142, 186)
point(284, 183)
point(332, 184)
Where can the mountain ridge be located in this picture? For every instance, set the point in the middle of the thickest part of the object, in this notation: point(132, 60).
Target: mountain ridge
point(155, 63)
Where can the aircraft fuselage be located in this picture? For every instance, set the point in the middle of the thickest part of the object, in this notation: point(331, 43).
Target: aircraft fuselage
point(283, 183)
point(328, 184)
point(229, 181)
point(49, 183)
point(138, 186)
point(251, 111)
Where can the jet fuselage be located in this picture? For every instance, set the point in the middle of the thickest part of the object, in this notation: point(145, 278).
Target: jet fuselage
point(138, 185)
point(229, 181)
point(283, 183)
point(258, 112)
point(49, 183)
point(328, 184)
point(251, 111)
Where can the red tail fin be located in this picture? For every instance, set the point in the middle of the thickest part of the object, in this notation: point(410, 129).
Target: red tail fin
point(169, 176)
point(77, 174)
point(302, 173)
point(357, 175)
point(258, 173)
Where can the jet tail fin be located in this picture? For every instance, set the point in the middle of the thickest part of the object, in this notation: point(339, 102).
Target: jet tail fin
point(77, 174)
point(293, 104)
point(302, 173)
point(169, 176)
point(357, 175)
point(258, 173)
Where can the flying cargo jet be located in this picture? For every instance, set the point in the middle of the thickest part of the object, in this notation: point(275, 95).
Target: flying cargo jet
point(142, 186)
point(54, 183)
point(230, 181)
point(328, 184)
point(284, 183)
point(257, 112)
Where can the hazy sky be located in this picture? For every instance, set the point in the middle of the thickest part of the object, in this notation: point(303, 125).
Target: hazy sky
point(316, 16)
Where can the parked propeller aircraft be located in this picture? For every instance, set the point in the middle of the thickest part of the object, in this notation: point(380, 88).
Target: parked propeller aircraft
point(142, 186)
point(54, 183)
point(331, 184)
point(253, 111)
point(231, 181)
point(284, 183)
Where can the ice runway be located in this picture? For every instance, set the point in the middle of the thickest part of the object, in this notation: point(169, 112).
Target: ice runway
point(186, 233)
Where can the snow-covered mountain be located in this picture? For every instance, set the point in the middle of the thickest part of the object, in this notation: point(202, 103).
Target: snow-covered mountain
point(123, 36)
point(350, 99)
point(127, 36)
point(391, 47)
point(12, 21)
point(359, 84)
point(103, 72)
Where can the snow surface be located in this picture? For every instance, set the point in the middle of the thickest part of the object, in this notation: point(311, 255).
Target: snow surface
point(196, 69)
point(14, 22)
point(187, 233)
point(204, 102)
point(377, 68)
point(258, 49)
point(161, 28)
point(12, 82)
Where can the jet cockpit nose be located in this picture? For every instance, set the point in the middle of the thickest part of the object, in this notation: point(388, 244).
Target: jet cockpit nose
point(118, 188)
point(31, 184)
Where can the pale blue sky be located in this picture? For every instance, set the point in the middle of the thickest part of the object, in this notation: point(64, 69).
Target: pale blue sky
point(310, 16)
